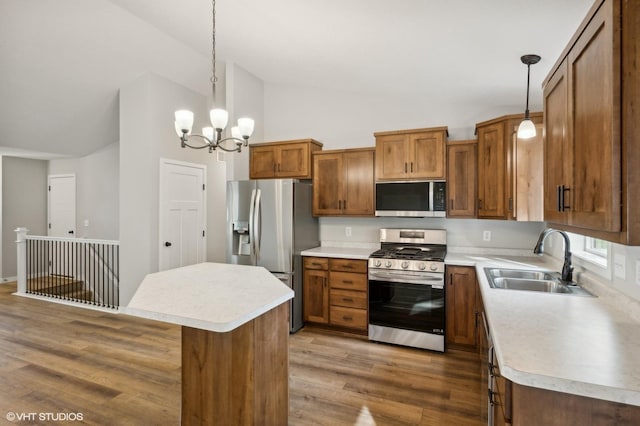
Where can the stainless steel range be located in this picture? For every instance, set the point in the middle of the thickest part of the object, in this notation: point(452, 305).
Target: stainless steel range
point(406, 288)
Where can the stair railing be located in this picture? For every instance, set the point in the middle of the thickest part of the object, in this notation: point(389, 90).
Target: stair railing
point(72, 269)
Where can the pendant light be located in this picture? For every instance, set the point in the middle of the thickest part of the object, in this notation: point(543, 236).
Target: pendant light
point(527, 129)
point(211, 137)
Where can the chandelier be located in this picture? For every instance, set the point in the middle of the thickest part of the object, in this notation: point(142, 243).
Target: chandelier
point(211, 137)
point(527, 129)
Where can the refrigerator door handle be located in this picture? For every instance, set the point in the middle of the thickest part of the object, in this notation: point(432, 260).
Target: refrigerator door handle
point(252, 205)
point(257, 218)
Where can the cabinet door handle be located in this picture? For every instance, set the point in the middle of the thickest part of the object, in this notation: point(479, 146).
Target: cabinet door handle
point(344, 204)
point(412, 167)
point(480, 204)
point(275, 167)
point(558, 198)
point(339, 204)
point(563, 190)
point(324, 282)
point(405, 167)
point(451, 204)
point(491, 401)
point(510, 204)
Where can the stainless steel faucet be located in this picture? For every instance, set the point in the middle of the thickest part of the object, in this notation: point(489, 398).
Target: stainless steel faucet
point(567, 269)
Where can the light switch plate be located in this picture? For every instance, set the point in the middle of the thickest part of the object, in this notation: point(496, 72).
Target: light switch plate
point(619, 266)
point(486, 236)
point(347, 231)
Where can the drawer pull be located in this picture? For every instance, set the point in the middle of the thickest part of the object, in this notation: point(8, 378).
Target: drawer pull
point(348, 266)
point(347, 318)
point(347, 299)
point(316, 264)
point(347, 281)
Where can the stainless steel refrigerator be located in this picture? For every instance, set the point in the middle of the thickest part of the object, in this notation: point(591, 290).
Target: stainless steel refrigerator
point(269, 222)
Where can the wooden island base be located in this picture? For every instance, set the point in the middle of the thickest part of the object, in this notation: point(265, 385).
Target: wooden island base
point(239, 377)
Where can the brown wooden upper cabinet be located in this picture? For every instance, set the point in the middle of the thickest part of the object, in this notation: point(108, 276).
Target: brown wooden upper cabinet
point(286, 159)
point(592, 126)
point(343, 182)
point(496, 165)
point(411, 154)
point(461, 178)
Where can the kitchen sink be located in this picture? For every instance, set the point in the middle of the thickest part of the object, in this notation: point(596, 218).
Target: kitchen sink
point(527, 280)
point(515, 273)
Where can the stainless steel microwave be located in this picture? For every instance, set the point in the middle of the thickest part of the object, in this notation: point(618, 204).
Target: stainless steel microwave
point(411, 199)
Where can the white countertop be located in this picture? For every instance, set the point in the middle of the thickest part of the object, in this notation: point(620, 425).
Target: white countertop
point(210, 296)
point(572, 344)
point(340, 252)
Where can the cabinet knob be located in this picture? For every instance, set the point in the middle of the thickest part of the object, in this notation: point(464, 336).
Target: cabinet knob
point(167, 244)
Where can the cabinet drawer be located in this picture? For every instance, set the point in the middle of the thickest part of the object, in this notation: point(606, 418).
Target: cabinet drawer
point(349, 299)
point(348, 317)
point(348, 281)
point(349, 265)
point(316, 263)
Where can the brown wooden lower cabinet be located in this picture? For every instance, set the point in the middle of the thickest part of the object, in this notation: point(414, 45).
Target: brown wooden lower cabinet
point(461, 309)
point(519, 405)
point(343, 302)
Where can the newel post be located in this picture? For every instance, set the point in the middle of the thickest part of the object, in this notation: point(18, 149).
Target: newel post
point(21, 244)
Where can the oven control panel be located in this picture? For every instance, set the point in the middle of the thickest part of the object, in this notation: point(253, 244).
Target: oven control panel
point(406, 265)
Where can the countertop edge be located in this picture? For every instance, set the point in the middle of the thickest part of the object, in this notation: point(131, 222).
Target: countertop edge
point(215, 327)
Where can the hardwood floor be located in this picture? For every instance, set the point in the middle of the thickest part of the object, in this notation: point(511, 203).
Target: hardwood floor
point(120, 370)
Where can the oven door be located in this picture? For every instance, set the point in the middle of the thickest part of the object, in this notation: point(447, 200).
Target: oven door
point(407, 300)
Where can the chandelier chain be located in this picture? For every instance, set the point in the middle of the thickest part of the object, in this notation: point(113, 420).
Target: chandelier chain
point(214, 77)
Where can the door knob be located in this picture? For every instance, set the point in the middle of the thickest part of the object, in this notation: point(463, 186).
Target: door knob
point(70, 232)
point(167, 244)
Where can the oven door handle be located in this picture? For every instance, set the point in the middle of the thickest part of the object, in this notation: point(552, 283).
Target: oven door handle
point(435, 282)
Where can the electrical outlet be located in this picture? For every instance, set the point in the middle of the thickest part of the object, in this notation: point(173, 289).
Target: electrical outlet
point(638, 272)
point(619, 266)
point(486, 236)
point(347, 231)
point(86, 222)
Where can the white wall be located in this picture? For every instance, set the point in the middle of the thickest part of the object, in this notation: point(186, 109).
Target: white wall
point(463, 233)
point(245, 98)
point(349, 120)
point(146, 135)
point(97, 191)
point(24, 203)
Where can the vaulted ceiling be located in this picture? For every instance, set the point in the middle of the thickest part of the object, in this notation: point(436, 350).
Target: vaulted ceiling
point(62, 62)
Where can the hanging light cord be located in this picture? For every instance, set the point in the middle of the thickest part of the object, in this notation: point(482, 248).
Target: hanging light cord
point(526, 111)
point(214, 78)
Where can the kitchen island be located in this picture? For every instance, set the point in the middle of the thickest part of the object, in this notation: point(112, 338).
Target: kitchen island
point(235, 332)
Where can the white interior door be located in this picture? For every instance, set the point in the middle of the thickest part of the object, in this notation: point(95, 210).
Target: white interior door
point(182, 214)
point(62, 205)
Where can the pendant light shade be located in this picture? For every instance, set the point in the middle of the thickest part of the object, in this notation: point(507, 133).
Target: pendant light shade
point(527, 129)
